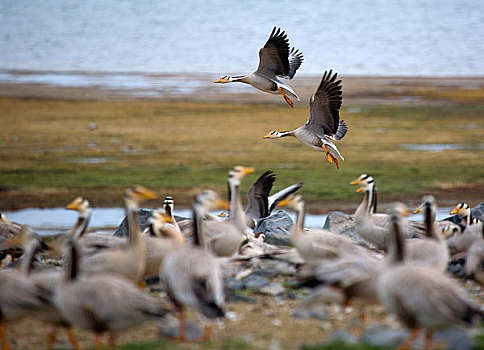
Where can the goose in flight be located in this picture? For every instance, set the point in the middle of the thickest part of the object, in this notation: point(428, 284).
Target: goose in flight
point(276, 61)
point(323, 124)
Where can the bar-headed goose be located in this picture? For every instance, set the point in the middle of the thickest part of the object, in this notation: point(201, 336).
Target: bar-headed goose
point(375, 227)
point(422, 297)
point(192, 276)
point(323, 124)
point(276, 60)
point(464, 211)
point(259, 203)
point(314, 244)
point(129, 261)
point(103, 302)
point(432, 250)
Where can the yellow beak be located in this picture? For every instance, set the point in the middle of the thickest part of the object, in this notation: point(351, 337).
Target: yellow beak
point(455, 211)
point(267, 136)
point(355, 182)
point(218, 81)
point(416, 211)
point(248, 171)
point(146, 193)
point(74, 205)
point(222, 204)
point(361, 189)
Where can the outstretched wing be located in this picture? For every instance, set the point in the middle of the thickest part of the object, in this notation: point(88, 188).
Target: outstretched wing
point(274, 55)
point(295, 60)
point(257, 197)
point(324, 108)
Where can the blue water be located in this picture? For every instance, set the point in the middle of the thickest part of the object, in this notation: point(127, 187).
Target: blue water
point(421, 37)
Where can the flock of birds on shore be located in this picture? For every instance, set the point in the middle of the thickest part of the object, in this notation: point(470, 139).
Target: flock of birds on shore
point(99, 287)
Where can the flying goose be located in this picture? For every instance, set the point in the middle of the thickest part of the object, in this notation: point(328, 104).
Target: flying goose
point(20, 296)
point(276, 60)
point(192, 276)
point(129, 261)
point(432, 250)
point(316, 244)
point(422, 297)
point(323, 124)
point(259, 203)
point(375, 227)
point(103, 302)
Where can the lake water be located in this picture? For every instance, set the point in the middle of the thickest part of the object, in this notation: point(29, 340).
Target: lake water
point(57, 220)
point(421, 37)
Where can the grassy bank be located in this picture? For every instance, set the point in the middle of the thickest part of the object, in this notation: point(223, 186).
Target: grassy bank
point(53, 150)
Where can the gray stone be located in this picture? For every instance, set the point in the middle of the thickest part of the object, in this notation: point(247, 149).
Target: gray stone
point(255, 281)
point(344, 224)
point(452, 339)
point(273, 289)
point(169, 329)
point(237, 298)
point(233, 284)
point(381, 335)
point(276, 228)
point(317, 311)
point(278, 267)
point(342, 336)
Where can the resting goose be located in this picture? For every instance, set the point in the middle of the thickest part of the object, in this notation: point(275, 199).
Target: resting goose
point(431, 251)
point(192, 276)
point(323, 124)
point(276, 60)
point(13, 236)
point(422, 297)
point(375, 227)
point(20, 296)
point(259, 203)
point(103, 302)
point(129, 261)
point(316, 244)
point(464, 211)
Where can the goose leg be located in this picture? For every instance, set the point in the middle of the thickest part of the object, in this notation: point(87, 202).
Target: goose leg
point(428, 339)
point(288, 100)
point(112, 341)
point(181, 327)
point(207, 333)
point(3, 338)
point(72, 338)
point(331, 158)
point(51, 338)
point(98, 345)
point(407, 344)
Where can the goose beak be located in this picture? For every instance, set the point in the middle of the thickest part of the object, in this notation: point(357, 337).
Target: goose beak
point(222, 204)
point(416, 211)
point(455, 211)
point(355, 182)
point(74, 205)
point(248, 171)
point(283, 203)
point(218, 81)
point(267, 136)
point(361, 189)
point(146, 193)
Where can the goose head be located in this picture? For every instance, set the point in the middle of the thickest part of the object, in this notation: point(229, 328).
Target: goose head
point(225, 79)
point(209, 200)
point(273, 135)
point(294, 202)
point(81, 205)
point(158, 224)
point(461, 209)
point(428, 203)
point(238, 172)
point(364, 181)
point(138, 193)
point(399, 209)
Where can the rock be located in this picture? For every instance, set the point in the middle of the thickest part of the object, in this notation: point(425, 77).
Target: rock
point(255, 281)
point(344, 224)
point(291, 295)
point(318, 311)
point(143, 216)
point(276, 228)
point(341, 336)
point(381, 335)
point(456, 267)
point(277, 267)
point(273, 289)
point(233, 285)
point(237, 298)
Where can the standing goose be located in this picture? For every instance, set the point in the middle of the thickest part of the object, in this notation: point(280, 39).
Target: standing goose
point(420, 296)
point(276, 60)
point(431, 251)
point(192, 276)
point(163, 239)
point(259, 203)
point(375, 227)
point(102, 303)
point(316, 244)
point(129, 261)
point(20, 296)
point(323, 124)
point(225, 237)
point(169, 206)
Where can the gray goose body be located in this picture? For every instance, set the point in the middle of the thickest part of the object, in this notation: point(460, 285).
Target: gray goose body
point(276, 61)
point(323, 124)
point(422, 297)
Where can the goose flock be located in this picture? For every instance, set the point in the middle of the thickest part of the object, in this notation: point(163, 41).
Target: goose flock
point(100, 284)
